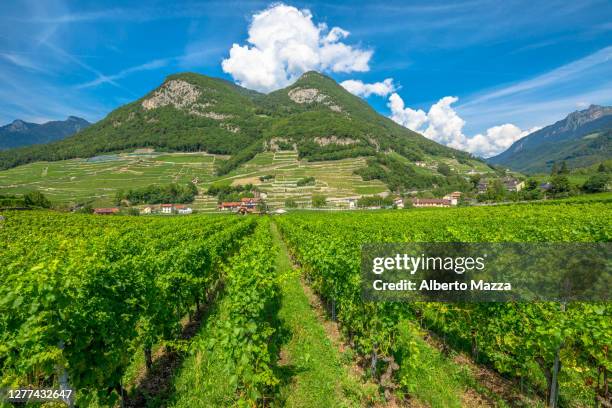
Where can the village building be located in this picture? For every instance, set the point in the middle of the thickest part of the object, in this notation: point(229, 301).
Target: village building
point(166, 208)
point(453, 197)
point(545, 186)
point(249, 203)
point(430, 202)
point(147, 210)
point(229, 206)
point(512, 184)
point(106, 211)
point(482, 187)
point(398, 202)
point(183, 209)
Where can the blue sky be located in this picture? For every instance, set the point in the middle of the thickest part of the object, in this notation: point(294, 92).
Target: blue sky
point(519, 63)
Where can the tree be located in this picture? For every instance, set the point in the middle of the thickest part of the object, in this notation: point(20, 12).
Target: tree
point(496, 191)
point(475, 179)
point(306, 181)
point(444, 169)
point(85, 209)
point(374, 201)
point(602, 168)
point(596, 183)
point(318, 201)
point(559, 184)
point(530, 194)
point(564, 169)
point(119, 195)
point(36, 199)
point(554, 170)
point(531, 185)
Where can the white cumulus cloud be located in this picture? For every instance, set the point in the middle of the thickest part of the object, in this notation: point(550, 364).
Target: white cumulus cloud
point(410, 118)
point(284, 43)
point(443, 125)
point(496, 139)
point(357, 87)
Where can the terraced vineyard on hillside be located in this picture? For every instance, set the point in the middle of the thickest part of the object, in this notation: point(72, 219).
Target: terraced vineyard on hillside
point(97, 180)
point(81, 180)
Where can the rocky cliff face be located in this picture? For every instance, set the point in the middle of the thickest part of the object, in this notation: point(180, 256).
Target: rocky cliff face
point(576, 119)
point(560, 141)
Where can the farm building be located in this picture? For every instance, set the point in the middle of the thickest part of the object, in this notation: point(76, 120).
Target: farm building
point(147, 210)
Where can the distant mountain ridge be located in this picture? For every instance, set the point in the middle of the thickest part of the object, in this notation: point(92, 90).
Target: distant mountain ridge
point(20, 133)
point(581, 139)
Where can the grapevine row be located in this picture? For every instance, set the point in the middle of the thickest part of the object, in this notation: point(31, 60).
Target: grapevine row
point(519, 340)
point(78, 294)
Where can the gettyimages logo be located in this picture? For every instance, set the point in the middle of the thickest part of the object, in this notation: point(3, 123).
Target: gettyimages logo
point(413, 264)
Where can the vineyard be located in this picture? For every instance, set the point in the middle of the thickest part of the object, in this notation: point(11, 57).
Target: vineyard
point(92, 303)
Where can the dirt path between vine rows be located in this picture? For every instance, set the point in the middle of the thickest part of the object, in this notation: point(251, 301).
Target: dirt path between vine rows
point(311, 366)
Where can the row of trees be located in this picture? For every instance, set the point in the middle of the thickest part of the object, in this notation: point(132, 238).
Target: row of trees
point(227, 192)
point(155, 194)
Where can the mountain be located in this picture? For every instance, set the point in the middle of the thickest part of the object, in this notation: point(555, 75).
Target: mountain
point(581, 139)
point(20, 133)
point(192, 112)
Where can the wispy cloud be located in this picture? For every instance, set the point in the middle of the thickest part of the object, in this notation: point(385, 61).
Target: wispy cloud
point(110, 79)
point(563, 73)
point(22, 61)
point(193, 58)
point(52, 102)
point(541, 111)
point(537, 45)
point(143, 13)
point(80, 63)
point(74, 17)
